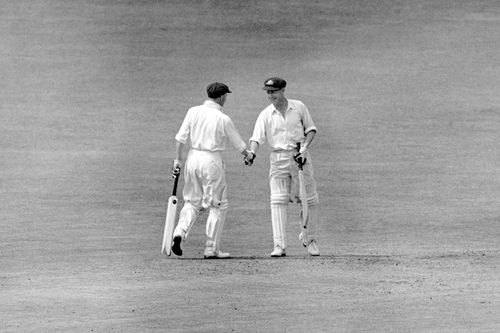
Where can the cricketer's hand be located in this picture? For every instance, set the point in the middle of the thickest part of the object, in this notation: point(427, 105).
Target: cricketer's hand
point(176, 168)
point(249, 158)
point(300, 159)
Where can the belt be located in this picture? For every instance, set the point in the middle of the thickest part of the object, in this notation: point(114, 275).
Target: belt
point(283, 150)
point(206, 151)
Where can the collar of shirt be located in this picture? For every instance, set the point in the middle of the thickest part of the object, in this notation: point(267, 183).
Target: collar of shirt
point(288, 107)
point(212, 104)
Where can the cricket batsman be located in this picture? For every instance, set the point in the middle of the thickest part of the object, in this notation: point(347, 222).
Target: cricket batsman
point(284, 124)
point(207, 129)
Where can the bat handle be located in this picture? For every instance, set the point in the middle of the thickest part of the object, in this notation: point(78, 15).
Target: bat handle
point(300, 161)
point(176, 180)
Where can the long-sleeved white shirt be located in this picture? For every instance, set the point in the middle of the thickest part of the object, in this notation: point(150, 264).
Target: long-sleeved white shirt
point(208, 129)
point(283, 133)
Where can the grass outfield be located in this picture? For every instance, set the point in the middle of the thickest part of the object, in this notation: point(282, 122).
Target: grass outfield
point(405, 96)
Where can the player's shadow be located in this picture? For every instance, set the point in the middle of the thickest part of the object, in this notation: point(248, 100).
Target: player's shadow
point(305, 257)
point(242, 258)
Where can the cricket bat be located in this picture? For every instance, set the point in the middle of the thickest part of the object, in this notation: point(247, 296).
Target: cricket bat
point(302, 191)
point(166, 247)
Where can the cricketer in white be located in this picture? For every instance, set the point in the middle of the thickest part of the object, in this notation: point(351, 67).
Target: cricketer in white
point(207, 129)
point(283, 124)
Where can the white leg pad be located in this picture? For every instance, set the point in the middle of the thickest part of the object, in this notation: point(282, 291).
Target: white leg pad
point(187, 217)
point(278, 219)
point(312, 221)
point(215, 225)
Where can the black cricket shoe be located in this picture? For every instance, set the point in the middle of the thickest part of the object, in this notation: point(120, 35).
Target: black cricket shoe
point(176, 246)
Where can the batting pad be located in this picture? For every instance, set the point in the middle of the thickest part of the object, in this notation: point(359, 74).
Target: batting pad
point(280, 191)
point(187, 217)
point(215, 224)
point(278, 220)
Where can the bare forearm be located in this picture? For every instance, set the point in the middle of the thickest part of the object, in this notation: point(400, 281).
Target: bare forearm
point(254, 146)
point(179, 148)
point(309, 139)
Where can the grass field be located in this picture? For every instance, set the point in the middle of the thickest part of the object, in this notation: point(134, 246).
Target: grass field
point(405, 96)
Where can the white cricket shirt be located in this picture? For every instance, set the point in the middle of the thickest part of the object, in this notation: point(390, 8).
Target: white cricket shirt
point(208, 129)
point(283, 133)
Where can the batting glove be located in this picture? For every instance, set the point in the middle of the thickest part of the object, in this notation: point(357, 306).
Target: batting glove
point(176, 168)
point(301, 160)
point(249, 158)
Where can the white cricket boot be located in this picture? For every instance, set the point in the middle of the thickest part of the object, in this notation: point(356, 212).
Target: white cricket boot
point(210, 254)
point(312, 248)
point(278, 252)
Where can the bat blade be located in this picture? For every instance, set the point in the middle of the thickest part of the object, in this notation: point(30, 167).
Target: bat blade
point(303, 198)
point(166, 247)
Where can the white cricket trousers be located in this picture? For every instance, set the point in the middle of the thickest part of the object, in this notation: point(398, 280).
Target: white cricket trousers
point(205, 187)
point(283, 181)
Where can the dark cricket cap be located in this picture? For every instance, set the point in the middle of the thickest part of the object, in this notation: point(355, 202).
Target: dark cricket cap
point(274, 83)
point(217, 89)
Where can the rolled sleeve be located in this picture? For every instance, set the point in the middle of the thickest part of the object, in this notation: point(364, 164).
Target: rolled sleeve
point(234, 137)
point(259, 130)
point(310, 129)
point(182, 135)
point(307, 120)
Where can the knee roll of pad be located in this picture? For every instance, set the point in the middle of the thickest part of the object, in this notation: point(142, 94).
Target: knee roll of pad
point(313, 200)
point(280, 191)
point(281, 199)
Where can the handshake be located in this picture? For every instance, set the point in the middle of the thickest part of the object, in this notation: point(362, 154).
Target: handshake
point(249, 157)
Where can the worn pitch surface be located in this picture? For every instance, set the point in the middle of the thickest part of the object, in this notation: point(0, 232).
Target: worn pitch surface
point(405, 95)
